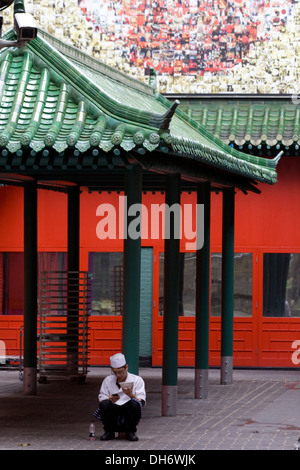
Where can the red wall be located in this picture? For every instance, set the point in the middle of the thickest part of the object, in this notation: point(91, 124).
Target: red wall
point(265, 220)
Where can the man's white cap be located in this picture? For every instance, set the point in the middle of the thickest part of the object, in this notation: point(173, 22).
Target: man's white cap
point(118, 360)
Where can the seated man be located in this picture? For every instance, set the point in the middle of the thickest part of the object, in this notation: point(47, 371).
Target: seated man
point(120, 407)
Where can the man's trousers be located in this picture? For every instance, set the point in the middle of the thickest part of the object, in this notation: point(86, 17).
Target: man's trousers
point(122, 418)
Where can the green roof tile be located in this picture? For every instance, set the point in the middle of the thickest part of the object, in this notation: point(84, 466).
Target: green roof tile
point(254, 121)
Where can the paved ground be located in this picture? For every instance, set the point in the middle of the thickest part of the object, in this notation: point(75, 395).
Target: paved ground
point(259, 411)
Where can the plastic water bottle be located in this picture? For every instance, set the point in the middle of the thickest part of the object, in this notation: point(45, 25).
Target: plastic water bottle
point(92, 434)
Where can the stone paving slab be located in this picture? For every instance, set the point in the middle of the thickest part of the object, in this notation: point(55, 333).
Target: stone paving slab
point(259, 411)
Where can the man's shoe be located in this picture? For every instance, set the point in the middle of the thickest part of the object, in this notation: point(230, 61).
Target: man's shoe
point(107, 436)
point(131, 436)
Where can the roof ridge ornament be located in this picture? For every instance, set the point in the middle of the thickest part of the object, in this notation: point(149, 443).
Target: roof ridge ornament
point(163, 120)
point(275, 160)
point(24, 25)
point(169, 114)
point(152, 78)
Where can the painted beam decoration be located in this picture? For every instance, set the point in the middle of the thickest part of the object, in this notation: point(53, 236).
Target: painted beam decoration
point(195, 46)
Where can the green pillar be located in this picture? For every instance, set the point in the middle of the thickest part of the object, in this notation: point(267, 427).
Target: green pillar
point(30, 288)
point(171, 297)
point(132, 267)
point(227, 287)
point(202, 298)
point(73, 227)
point(73, 268)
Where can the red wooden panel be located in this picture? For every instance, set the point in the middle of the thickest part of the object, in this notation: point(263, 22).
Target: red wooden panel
point(244, 352)
point(105, 338)
point(278, 336)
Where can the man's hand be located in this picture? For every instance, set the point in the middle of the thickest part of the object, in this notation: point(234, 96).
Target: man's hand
point(113, 398)
point(128, 391)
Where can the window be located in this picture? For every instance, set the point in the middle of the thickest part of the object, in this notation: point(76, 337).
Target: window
point(107, 283)
point(187, 297)
point(281, 285)
point(242, 284)
point(12, 277)
point(187, 284)
point(56, 284)
point(12, 283)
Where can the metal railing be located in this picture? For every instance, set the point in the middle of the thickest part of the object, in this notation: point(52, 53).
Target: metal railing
point(63, 324)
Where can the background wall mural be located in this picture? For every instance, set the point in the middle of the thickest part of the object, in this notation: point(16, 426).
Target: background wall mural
point(195, 46)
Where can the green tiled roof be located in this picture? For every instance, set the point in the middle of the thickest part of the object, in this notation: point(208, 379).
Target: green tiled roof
point(259, 121)
point(53, 96)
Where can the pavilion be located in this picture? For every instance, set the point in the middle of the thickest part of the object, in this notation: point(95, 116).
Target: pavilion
point(69, 121)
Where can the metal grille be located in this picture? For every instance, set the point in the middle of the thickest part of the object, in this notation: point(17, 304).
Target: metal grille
point(63, 324)
point(118, 290)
